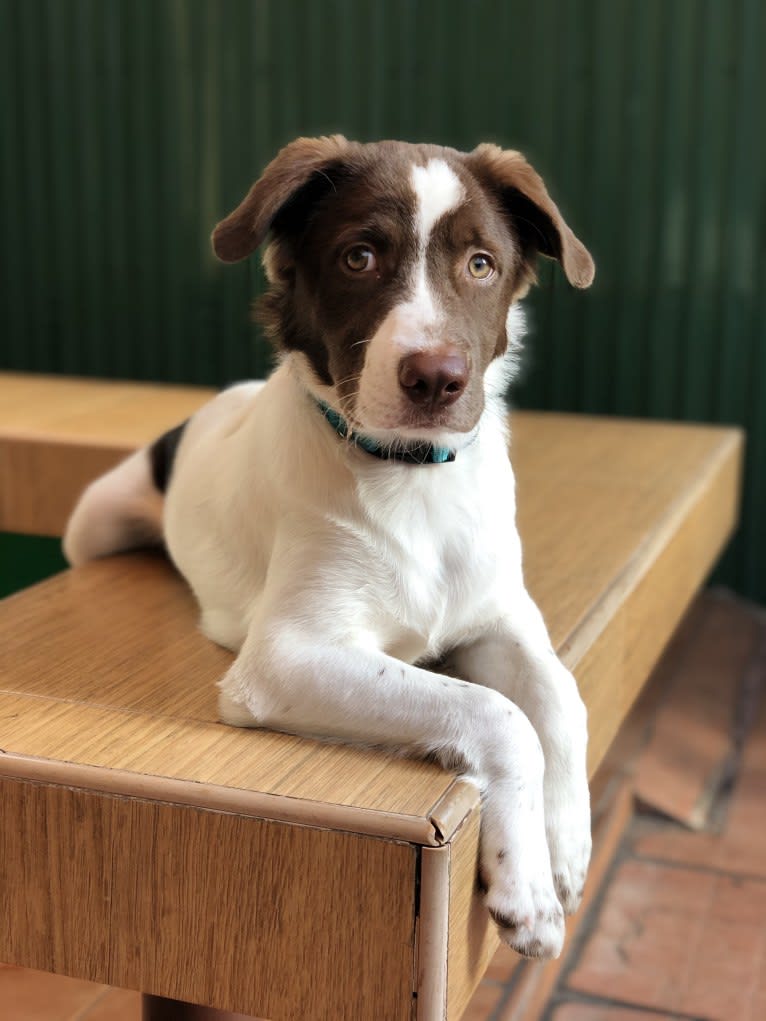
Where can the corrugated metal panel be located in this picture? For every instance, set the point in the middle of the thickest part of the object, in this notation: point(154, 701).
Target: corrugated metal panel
point(128, 128)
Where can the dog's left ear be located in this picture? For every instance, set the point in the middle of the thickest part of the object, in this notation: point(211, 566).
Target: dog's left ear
point(536, 218)
point(289, 172)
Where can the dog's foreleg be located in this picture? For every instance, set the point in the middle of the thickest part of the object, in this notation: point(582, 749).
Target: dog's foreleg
point(305, 686)
point(516, 658)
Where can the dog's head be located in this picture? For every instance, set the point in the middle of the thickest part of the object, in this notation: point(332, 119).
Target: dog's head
point(393, 272)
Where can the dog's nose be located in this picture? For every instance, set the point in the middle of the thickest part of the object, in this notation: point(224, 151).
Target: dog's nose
point(433, 379)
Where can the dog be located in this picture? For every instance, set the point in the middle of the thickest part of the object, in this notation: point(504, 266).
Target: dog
point(348, 526)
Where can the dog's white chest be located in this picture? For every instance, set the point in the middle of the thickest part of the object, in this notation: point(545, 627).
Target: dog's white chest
point(437, 550)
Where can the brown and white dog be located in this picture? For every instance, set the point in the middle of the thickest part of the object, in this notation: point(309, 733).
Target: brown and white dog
point(348, 526)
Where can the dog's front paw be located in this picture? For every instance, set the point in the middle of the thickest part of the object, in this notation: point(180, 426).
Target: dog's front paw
point(520, 895)
point(233, 712)
point(569, 843)
point(529, 917)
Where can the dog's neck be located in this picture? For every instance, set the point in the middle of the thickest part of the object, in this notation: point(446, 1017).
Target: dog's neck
point(446, 449)
point(414, 453)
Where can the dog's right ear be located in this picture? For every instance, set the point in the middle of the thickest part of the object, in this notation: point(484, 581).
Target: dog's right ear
point(243, 230)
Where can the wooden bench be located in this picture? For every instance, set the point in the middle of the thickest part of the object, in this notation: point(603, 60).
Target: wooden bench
point(147, 846)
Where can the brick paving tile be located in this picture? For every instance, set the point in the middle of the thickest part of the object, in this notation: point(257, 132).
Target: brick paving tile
point(693, 727)
point(598, 1012)
point(503, 964)
point(741, 847)
point(484, 1002)
point(115, 1005)
point(28, 995)
point(679, 939)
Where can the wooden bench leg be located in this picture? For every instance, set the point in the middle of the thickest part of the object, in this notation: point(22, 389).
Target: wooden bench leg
point(160, 1008)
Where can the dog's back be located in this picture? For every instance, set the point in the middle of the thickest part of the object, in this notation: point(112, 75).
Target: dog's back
point(123, 509)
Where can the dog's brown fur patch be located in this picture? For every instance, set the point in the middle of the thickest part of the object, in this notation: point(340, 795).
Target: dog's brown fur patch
point(321, 195)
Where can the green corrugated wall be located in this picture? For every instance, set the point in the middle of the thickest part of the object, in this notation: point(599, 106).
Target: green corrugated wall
point(130, 126)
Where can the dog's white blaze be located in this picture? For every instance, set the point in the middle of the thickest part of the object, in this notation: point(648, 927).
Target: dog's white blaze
point(438, 190)
point(413, 325)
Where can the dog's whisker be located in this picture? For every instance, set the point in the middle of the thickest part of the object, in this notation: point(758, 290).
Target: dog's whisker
point(353, 378)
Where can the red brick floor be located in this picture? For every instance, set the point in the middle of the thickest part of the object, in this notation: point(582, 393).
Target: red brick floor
point(593, 1012)
point(675, 925)
point(679, 939)
point(37, 996)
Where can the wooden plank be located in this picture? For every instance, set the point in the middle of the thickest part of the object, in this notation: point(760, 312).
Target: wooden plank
point(41, 482)
point(105, 683)
point(650, 598)
point(57, 434)
point(433, 933)
point(664, 499)
point(598, 497)
point(279, 921)
point(117, 678)
point(91, 412)
point(473, 937)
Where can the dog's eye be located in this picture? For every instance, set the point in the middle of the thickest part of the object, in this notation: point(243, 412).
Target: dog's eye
point(360, 259)
point(481, 266)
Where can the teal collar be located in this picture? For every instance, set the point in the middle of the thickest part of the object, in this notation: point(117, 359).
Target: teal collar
point(417, 453)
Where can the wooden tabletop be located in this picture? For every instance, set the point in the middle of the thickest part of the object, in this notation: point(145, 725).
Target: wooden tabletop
point(620, 520)
point(134, 823)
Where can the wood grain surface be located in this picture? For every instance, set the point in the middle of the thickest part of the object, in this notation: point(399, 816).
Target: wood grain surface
point(473, 937)
point(57, 434)
point(113, 757)
point(620, 521)
point(207, 907)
